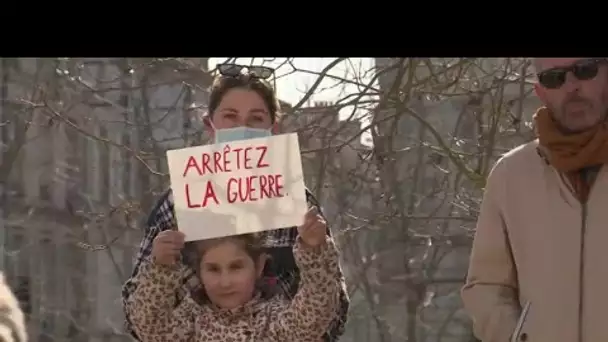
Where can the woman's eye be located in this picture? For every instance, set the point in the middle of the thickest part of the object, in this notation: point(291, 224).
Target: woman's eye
point(236, 266)
point(213, 269)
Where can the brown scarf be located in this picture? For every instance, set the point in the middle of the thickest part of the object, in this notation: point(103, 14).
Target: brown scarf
point(570, 153)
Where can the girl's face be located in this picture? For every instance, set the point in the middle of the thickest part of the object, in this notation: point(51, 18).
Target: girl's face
point(229, 274)
point(242, 107)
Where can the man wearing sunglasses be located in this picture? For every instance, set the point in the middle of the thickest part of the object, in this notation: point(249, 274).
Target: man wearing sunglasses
point(538, 269)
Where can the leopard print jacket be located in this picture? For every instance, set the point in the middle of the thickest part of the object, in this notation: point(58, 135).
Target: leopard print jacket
point(305, 318)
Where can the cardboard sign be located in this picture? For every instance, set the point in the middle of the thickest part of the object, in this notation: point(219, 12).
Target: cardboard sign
point(238, 187)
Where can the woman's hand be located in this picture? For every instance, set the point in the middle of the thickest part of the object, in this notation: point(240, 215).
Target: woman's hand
point(314, 229)
point(167, 246)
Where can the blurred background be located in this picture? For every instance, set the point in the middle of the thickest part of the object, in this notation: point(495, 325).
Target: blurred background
point(396, 149)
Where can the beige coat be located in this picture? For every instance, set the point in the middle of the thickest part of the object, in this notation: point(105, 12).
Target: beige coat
point(12, 320)
point(303, 319)
point(535, 243)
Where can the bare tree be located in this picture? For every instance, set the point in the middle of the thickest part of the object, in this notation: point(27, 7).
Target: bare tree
point(406, 207)
point(398, 158)
point(84, 143)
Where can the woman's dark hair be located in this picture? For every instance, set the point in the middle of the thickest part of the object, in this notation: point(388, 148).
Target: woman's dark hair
point(252, 245)
point(222, 84)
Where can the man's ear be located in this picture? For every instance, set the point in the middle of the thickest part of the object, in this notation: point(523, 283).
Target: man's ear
point(540, 92)
point(208, 126)
point(261, 263)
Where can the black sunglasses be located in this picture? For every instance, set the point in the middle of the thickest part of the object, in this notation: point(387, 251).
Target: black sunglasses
point(583, 70)
point(235, 70)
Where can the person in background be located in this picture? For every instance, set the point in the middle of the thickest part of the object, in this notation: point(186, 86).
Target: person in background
point(538, 268)
point(233, 304)
point(242, 105)
point(12, 319)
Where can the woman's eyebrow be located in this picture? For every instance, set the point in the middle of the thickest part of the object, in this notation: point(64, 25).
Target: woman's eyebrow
point(229, 109)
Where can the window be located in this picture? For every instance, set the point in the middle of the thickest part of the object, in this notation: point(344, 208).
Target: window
point(22, 292)
point(166, 97)
point(124, 71)
point(6, 129)
point(55, 82)
point(104, 166)
point(84, 167)
point(75, 289)
point(17, 269)
point(74, 172)
point(47, 172)
point(48, 271)
point(92, 74)
point(130, 247)
point(45, 191)
point(187, 105)
point(47, 286)
point(127, 167)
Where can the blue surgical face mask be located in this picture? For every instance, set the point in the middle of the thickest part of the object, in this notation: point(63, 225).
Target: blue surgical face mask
point(225, 135)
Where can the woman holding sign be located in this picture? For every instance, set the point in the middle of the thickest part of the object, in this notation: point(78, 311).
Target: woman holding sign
point(242, 105)
point(233, 304)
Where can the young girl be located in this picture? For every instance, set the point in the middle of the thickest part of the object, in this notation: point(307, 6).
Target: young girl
point(240, 106)
point(234, 307)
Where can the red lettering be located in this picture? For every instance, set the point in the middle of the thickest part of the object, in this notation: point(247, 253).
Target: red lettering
point(251, 188)
point(264, 187)
point(238, 157)
point(190, 205)
point(271, 186)
point(247, 159)
point(192, 163)
point(278, 181)
point(231, 195)
point(217, 158)
point(243, 193)
point(261, 162)
point(226, 162)
point(206, 160)
point(209, 193)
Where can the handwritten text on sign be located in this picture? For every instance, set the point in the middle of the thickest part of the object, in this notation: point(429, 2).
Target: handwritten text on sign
point(238, 187)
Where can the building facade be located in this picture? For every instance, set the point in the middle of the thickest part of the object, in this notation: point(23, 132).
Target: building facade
point(480, 117)
point(90, 137)
point(338, 170)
